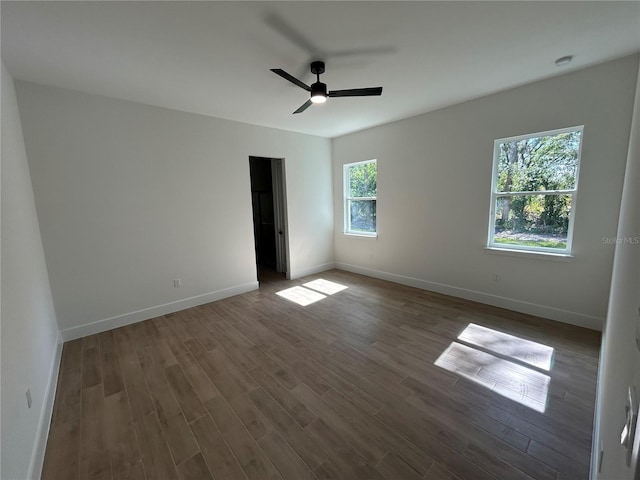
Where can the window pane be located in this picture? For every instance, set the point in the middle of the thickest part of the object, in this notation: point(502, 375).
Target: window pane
point(363, 215)
point(532, 220)
point(539, 163)
point(362, 180)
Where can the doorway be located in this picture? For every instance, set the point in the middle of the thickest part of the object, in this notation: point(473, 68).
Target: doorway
point(269, 218)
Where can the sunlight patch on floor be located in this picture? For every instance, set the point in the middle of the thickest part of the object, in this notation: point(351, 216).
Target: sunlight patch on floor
point(301, 296)
point(483, 362)
point(533, 353)
point(325, 286)
point(316, 290)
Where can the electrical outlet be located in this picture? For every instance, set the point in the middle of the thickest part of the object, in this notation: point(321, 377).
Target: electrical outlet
point(29, 401)
point(177, 283)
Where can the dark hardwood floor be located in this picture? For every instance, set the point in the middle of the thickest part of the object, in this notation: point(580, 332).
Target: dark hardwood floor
point(370, 382)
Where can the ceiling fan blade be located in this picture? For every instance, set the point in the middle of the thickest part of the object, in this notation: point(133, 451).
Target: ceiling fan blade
point(288, 31)
point(291, 78)
point(356, 92)
point(383, 50)
point(304, 106)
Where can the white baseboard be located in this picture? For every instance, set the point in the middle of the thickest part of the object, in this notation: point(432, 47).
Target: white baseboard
point(40, 445)
point(303, 272)
point(133, 317)
point(557, 314)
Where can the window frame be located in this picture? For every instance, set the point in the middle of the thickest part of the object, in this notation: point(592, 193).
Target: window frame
point(347, 199)
point(491, 244)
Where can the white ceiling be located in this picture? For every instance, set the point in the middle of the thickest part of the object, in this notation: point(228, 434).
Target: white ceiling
point(213, 58)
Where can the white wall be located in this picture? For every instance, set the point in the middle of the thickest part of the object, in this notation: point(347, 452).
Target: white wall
point(434, 180)
point(131, 197)
point(620, 359)
point(30, 345)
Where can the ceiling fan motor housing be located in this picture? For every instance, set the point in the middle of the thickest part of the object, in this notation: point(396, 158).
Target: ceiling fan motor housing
point(318, 89)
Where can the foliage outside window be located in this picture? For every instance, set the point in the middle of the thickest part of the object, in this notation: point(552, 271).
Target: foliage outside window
point(360, 192)
point(535, 181)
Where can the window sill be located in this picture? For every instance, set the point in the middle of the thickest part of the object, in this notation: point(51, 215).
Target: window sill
point(360, 235)
point(548, 256)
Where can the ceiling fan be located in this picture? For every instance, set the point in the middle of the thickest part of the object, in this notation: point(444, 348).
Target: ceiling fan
point(318, 90)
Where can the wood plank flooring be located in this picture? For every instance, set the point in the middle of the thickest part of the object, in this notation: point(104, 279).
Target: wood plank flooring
point(257, 387)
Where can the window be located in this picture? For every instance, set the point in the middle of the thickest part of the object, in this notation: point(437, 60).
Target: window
point(533, 195)
point(360, 190)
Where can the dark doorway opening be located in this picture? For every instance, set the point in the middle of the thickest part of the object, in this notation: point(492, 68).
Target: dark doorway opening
point(267, 199)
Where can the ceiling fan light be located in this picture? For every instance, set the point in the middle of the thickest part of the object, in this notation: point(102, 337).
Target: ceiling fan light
point(319, 92)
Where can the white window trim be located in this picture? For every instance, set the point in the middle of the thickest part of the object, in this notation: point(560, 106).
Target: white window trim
point(530, 254)
point(347, 199)
point(504, 247)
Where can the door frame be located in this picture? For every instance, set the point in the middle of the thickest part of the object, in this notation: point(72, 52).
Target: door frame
point(280, 216)
point(280, 221)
